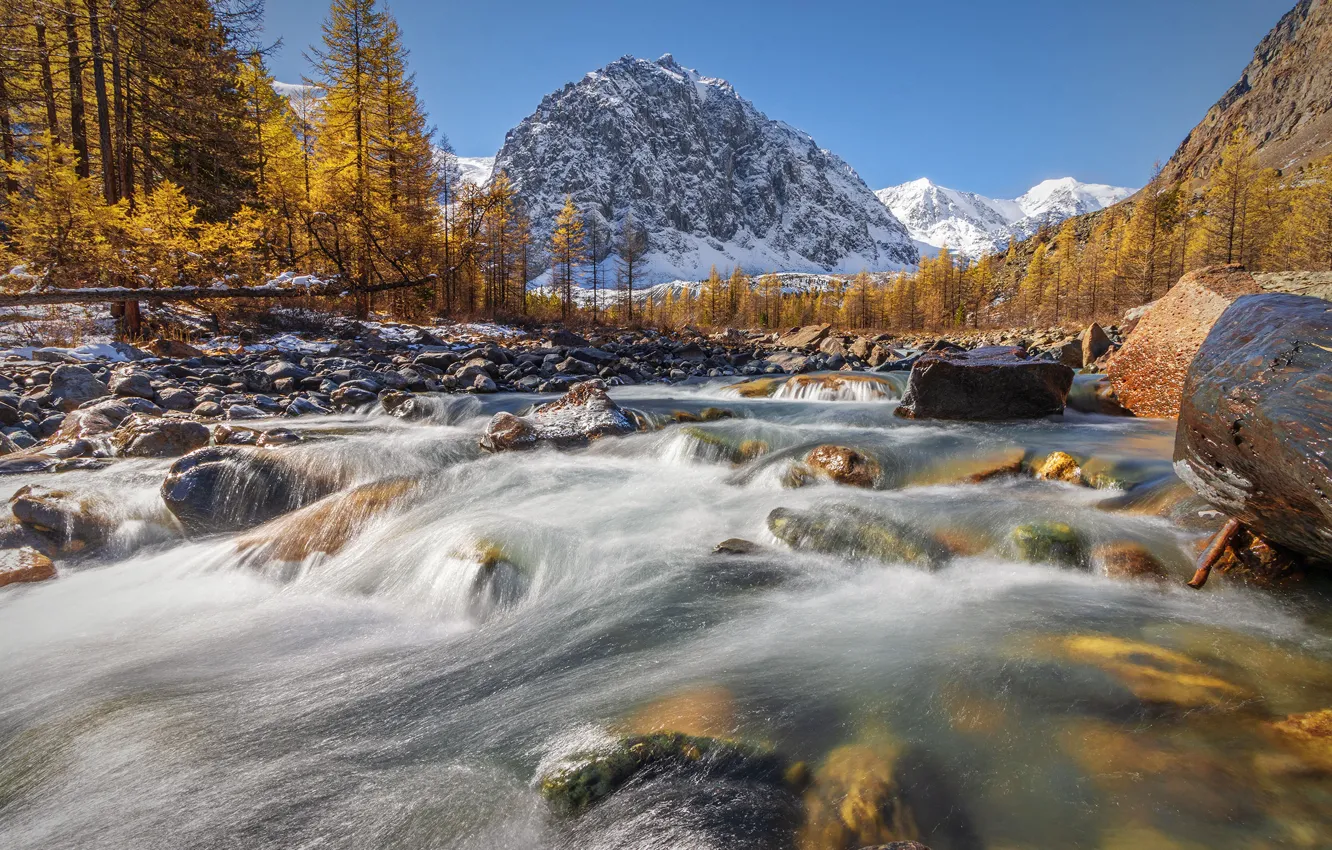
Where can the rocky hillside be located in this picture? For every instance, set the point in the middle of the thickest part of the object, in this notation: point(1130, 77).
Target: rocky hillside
point(1283, 98)
point(973, 225)
point(711, 178)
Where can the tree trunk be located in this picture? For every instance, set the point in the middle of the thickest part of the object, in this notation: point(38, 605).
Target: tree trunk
point(77, 128)
point(110, 186)
point(48, 84)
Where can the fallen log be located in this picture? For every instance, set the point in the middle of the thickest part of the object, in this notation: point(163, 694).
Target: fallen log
point(103, 294)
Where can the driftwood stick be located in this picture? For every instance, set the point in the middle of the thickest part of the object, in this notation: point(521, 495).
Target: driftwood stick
point(1215, 549)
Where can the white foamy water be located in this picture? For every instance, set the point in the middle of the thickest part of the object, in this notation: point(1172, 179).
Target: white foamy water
point(400, 693)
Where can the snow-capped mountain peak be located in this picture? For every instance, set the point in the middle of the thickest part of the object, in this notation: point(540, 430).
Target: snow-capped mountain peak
point(709, 177)
point(972, 224)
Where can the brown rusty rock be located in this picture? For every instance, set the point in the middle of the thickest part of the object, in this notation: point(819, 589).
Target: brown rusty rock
point(1253, 560)
point(1060, 466)
point(142, 435)
point(24, 565)
point(326, 526)
point(985, 384)
point(1124, 559)
point(843, 465)
point(805, 337)
point(69, 522)
point(1148, 372)
point(1255, 429)
point(173, 348)
point(1095, 342)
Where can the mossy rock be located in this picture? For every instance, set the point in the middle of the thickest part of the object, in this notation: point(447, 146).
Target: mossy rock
point(855, 800)
point(1059, 466)
point(855, 532)
point(1049, 543)
point(720, 446)
point(592, 777)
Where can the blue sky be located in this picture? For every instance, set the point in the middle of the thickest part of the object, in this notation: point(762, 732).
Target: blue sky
point(983, 95)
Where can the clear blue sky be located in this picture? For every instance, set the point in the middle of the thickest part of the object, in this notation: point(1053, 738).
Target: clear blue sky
point(990, 96)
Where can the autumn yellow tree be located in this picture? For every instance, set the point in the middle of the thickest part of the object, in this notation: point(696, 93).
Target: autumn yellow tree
point(567, 252)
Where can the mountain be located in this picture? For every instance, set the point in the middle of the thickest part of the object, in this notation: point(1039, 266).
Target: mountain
point(1283, 98)
point(973, 225)
point(709, 177)
point(476, 169)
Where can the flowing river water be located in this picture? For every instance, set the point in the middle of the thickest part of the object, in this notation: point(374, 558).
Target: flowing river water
point(186, 694)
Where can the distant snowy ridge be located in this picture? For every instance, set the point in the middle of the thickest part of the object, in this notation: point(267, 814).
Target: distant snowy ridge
point(972, 225)
point(476, 170)
point(712, 180)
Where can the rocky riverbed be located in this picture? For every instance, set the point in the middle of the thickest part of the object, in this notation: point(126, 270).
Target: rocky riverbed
point(751, 604)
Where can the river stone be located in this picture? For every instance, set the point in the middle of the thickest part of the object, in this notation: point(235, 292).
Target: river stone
point(1148, 372)
point(804, 338)
point(1126, 559)
point(1255, 429)
point(1095, 394)
point(151, 436)
point(1095, 342)
point(1060, 466)
point(589, 778)
point(836, 463)
point(326, 526)
point(231, 488)
point(70, 522)
point(173, 348)
point(855, 800)
point(1049, 543)
point(132, 384)
point(583, 414)
point(855, 532)
point(71, 387)
point(24, 565)
point(984, 384)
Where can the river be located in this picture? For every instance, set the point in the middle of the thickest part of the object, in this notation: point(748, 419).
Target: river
point(184, 694)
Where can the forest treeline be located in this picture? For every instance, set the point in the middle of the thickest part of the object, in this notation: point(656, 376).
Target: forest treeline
point(145, 144)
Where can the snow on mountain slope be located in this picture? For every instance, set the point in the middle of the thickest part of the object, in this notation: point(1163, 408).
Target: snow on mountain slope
point(709, 177)
point(476, 169)
point(973, 225)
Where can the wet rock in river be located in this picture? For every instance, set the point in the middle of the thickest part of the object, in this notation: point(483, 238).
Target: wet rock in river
point(839, 464)
point(985, 384)
point(970, 468)
point(855, 532)
point(1125, 559)
point(1255, 428)
point(69, 522)
point(1095, 394)
point(736, 546)
point(1251, 559)
point(589, 778)
point(1060, 466)
point(19, 566)
point(707, 711)
point(1154, 674)
point(1148, 372)
point(326, 526)
point(1049, 543)
point(231, 488)
point(854, 800)
point(1308, 736)
point(583, 414)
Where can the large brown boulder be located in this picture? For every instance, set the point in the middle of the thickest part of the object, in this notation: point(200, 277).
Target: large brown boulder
point(804, 338)
point(1148, 372)
point(583, 414)
point(1255, 426)
point(143, 435)
point(24, 565)
point(985, 383)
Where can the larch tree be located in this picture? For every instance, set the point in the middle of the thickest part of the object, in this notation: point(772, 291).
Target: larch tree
point(567, 252)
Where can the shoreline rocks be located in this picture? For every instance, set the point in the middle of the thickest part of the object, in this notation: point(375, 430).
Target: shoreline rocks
point(583, 414)
point(985, 384)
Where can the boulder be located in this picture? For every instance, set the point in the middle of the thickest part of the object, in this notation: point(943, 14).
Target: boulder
point(24, 565)
point(152, 436)
point(1148, 372)
point(1125, 559)
point(71, 387)
point(1095, 342)
point(1060, 466)
point(1070, 354)
point(855, 800)
point(231, 488)
point(1049, 543)
point(176, 398)
point(1255, 426)
point(985, 384)
point(583, 414)
point(804, 338)
point(69, 522)
point(1095, 394)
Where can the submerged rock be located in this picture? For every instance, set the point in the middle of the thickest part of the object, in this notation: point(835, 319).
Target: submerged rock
point(985, 384)
point(231, 488)
point(326, 526)
point(24, 565)
point(1095, 394)
point(591, 777)
point(1255, 427)
point(1153, 673)
point(849, 530)
point(736, 546)
point(1125, 559)
point(1049, 543)
point(854, 800)
point(583, 414)
point(1308, 736)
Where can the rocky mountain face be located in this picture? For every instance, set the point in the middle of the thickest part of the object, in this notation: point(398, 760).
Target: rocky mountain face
point(709, 177)
point(1283, 99)
point(973, 225)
